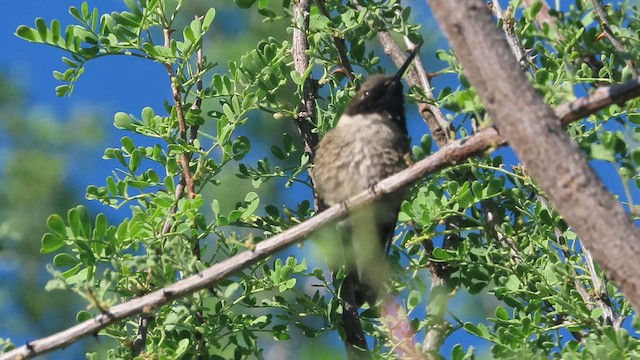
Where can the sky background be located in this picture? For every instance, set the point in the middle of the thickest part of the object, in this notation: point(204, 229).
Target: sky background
point(111, 85)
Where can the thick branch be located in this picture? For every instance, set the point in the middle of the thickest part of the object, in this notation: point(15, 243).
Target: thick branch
point(307, 114)
point(451, 154)
point(554, 160)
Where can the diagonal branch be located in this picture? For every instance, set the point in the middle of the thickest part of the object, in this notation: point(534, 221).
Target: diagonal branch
point(509, 29)
point(552, 157)
point(606, 28)
point(417, 75)
point(453, 153)
point(341, 46)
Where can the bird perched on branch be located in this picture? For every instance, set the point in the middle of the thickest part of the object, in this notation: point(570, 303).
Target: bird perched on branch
point(368, 144)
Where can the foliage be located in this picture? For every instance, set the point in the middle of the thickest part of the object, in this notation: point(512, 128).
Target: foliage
point(517, 251)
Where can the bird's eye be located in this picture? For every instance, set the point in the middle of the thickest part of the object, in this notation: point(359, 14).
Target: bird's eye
point(365, 94)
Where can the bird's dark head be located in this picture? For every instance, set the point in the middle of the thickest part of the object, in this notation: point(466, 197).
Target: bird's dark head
point(376, 95)
point(380, 94)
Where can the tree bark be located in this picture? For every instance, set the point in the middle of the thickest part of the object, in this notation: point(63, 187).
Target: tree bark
point(532, 129)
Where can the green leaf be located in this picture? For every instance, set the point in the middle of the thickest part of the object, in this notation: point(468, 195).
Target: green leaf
point(479, 330)
point(127, 144)
point(208, 19)
point(413, 299)
point(196, 28)
point(635, 156)
point(27, 33)
point(56, 225)
point(64, 260)
point(41, 25)
point(440, 254)
point(101, 227)
point(51, 243)
point(135, 161)
point(85, 221)
point(601, 152)
point(245, 4)
point(183, 346)
point(62, 90)
point(122, 121)
point(296, 77)
point(457, 353)
point(83, 316)
point(596, 313)
point(228, 112)
point(252, 201)
point(501, 313)
point(241, 147)
point(534, 9)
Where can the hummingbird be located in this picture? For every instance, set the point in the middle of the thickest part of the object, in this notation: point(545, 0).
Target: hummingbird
point(369, 143)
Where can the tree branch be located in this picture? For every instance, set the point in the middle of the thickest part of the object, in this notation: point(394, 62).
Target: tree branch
point(453, 153)
point(417, 75)
point(355, 340)
point(341, 46)
point(508, 27)
point(182, 124)
point(606, 28)
point(554, 160)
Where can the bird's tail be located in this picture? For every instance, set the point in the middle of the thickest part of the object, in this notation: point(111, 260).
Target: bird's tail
point(365, 239)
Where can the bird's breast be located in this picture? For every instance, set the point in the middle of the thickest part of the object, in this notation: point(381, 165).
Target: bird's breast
point(361, 151)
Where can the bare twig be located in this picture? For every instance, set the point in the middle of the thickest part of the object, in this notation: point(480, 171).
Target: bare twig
point(552, 157)
point(599, 289)
point(416, 75)
point(442, 133)
point(341, 46)
point(452, 153)
point(355, 340)
point(182, 124)
point(508, 27)
point(197, 104)
point(307, 114)
point(139, 343)
point(604, 23)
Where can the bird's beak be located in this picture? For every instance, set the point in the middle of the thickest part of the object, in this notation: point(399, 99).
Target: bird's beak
point(398, 76)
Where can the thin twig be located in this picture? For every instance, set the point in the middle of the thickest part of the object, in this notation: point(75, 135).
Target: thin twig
point(452, 153)
point(341, 46)
point(307, 114)
point(604, 23)
point(599, 289)
point(355, 340)
point(552, 157)
point(509, 30)
point(416, 75)
point(139, 343)
point(194, 129)
point(185, 158)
